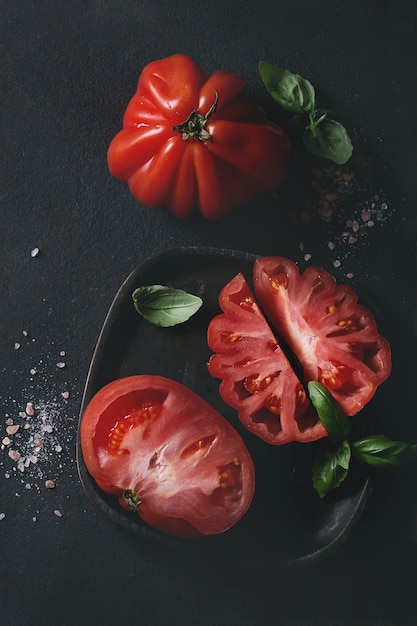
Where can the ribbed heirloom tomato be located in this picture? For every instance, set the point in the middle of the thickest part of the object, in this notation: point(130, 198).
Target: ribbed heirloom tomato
point(328, 336)
point(165, 453)
point(190, 140)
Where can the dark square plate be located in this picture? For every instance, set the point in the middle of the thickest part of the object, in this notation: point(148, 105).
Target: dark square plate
point(287, 519)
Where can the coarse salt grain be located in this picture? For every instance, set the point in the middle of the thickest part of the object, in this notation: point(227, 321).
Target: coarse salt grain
point(49, 484)
point(2, 516)
point(12, 430)
point(34, 252)
point(61, 365)
point(331, 245)
point(337, 263)
point(307, 257)
point(58, 513)
point(29, 409)
point(6, 441)
point(16, 346)
point(14, 455)
point(65, 395)
point(366, 216)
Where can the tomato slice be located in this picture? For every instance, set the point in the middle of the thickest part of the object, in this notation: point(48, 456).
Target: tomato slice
point(257, 378)
point(165, 453)
point(335, 339)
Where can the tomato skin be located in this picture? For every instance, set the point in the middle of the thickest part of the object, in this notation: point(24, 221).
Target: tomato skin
point(244, 155)
point(335, 339)
point(257, 378)
point(154, 439)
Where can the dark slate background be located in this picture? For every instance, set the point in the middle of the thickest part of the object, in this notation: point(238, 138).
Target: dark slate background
point(68, 70)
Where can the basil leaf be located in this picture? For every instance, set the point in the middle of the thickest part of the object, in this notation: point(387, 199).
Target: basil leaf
point(293, 92)
point(379, 451)
point(329, 411)
point(330, 468)
point(328, 139)
point(165, 306)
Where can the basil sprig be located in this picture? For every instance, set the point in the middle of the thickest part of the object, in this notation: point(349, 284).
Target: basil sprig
point(165, 306)
point(322, 135)
point(332, 463)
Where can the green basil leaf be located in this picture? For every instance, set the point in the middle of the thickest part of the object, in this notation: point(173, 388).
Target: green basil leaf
point(380, 451)
point(329, 411)
point(328, 139)
point(293, 92)
point(330, 468)
point(165, 306)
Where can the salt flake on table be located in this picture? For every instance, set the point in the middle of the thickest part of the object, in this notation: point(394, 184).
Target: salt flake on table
point(34, 252)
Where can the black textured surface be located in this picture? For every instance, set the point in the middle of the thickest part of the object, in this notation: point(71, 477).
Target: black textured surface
point(68, 70)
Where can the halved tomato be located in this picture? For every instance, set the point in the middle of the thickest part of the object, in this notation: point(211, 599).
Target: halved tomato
point(165, 453)
point(257, 378)
point(335, 339)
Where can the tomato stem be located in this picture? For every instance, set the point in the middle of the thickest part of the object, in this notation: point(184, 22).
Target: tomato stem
point(194, 125)
point(132, 499)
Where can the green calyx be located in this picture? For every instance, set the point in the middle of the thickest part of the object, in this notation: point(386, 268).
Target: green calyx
point(132, 499)
point(194, 126)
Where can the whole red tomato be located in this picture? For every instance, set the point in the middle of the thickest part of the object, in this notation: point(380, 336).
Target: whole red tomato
point(165, 453)
point(190, 140)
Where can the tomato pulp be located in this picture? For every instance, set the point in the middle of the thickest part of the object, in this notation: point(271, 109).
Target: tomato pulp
point(330, 337)
point(165, 453)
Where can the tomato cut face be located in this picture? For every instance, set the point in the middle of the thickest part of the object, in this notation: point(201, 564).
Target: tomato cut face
point(334, 338)
point(165, 453)
point(312, 322)
point(257, 378)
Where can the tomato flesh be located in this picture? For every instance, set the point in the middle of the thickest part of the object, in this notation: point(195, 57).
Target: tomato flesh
point(329, 337)
point(257, 378)
point(165, 453)
point(334, 338)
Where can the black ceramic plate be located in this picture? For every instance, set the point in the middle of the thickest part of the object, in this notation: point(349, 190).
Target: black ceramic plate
point(287, 518)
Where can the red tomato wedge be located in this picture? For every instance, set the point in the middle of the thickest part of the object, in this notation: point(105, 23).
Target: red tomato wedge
point(257, 378)
point(334, 338)
point(165, 453)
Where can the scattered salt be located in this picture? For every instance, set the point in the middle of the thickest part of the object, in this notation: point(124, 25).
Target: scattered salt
point(16, 346)
point(34, 252)
point(61, 365)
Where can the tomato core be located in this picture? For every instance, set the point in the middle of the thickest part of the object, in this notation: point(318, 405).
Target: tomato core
point(194, 125)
